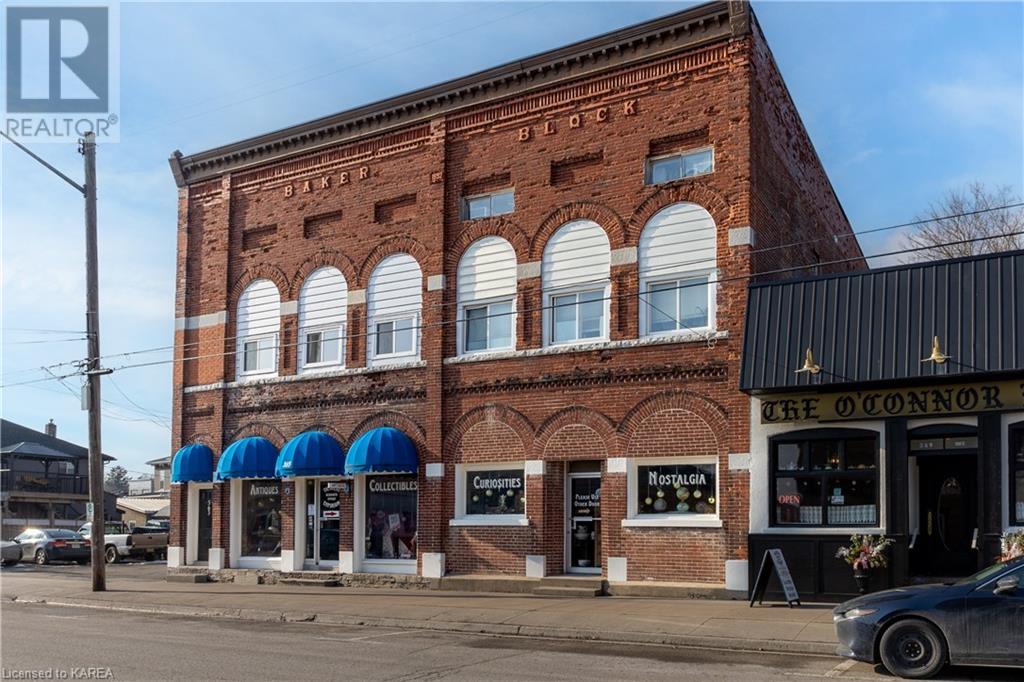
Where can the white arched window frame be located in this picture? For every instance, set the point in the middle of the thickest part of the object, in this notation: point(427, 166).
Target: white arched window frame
point(257, 331)
point(487, 297)
point(677, 262)
point(323, 306)
point(394, 302)
point(576, 279)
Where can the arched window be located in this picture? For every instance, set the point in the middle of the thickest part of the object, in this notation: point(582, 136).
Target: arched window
point(576, 277)
point(677, 258)
point(259, 323)
point(323, 302)
point(487, 296)
point(394, 299)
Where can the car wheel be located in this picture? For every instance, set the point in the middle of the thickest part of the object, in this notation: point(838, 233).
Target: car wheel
point(110, 553)
point(913, 649)
point(41, 557)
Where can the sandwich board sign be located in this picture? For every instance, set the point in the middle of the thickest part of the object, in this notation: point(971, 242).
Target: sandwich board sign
point(773, 559)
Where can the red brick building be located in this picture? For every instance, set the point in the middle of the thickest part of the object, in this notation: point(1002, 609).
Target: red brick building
point(536, 275)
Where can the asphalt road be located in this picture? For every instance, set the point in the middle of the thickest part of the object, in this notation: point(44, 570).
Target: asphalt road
point(147, 647)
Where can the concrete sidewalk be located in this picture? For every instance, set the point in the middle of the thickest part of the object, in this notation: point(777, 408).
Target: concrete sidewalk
point(677, 622)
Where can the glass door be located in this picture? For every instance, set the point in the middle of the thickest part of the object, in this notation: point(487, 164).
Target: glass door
point(204, 538)
point(323, 522)
point(584, 523)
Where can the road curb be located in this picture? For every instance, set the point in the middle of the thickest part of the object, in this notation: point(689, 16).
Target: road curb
point(501, 629)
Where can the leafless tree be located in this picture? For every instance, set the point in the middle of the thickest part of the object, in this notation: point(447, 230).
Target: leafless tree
point(973, 219)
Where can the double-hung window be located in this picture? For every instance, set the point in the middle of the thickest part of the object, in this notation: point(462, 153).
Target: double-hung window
point(259, 355)
point(488, 326)
point(323, 346)
point(682, 304)
point(487, 205)
point(395, 337)
point(578, 316)
point(675, 166)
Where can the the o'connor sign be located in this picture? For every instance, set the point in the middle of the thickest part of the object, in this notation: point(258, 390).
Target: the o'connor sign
point(899, 402)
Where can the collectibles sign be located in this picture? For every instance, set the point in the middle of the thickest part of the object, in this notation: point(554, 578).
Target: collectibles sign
point(900, 402)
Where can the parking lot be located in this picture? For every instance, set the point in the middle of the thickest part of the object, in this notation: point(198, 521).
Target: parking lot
point(130, 569)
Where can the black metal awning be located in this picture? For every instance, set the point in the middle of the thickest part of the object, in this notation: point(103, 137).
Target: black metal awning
point(876, 326)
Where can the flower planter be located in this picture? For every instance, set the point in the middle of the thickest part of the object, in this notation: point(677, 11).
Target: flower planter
point(863, 578)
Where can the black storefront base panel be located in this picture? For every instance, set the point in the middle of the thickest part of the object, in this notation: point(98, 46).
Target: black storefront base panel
point(817, 573)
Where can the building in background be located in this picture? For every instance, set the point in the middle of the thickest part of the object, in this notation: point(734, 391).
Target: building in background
point(907, 418)
point(45, 480)
point(494, 325)
point(146, 510)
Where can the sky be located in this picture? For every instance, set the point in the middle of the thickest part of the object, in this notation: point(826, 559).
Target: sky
point(902, 101)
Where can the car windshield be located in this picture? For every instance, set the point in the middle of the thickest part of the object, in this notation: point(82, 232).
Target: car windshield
point(63, 534)
point(983, 574)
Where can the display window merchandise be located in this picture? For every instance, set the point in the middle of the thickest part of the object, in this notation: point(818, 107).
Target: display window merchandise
point(391, 517)
point(261, 517)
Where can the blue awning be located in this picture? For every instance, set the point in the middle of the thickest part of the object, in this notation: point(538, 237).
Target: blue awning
point(383, 450)
point(313, 453)
point(192, 463)
point(252, 457)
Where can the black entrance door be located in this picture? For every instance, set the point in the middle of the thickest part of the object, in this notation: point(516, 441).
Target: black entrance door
point(948, 489)
point(205, 536)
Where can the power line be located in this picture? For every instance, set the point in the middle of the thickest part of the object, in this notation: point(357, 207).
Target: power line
point(673, 266)
point(735, 278)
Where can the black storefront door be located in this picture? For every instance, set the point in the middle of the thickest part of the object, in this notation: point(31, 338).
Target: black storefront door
point(948, 488)
point(205, 535)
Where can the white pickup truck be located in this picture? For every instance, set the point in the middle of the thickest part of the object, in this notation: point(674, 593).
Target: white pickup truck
point(120, 541)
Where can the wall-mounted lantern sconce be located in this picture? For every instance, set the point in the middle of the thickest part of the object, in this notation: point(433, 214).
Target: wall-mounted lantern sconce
point(809, 365)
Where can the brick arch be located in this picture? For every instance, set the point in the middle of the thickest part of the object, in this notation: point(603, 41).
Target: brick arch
point(198, 439)
point(398, 420)
point(329, 430)
point(579, 210)
point(388, 247)
point(692, 191)
point(488, 227)
point(699, 416)
point(261, 271)
point(268, 431)
point(492, 413)
point(577, 424)
point(322, 258)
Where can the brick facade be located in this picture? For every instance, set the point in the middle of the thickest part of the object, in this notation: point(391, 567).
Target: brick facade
point(573, 146)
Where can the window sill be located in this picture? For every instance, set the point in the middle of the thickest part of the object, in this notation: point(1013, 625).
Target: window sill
point(671, 522)
point(488, 521)
point(321, 374)
point(688, 337)
point(822, 530)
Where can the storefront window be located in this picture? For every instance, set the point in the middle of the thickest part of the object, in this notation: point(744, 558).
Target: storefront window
point(495, 491)
point(1017, 475)
point(261, 517)
point(676, 489)
point(391, 517)
point(825, 479)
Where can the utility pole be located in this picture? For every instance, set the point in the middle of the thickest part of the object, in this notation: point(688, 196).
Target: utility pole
point(92, 367)
point(87, 148)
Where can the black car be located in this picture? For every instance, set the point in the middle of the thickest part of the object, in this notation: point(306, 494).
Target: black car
point(43, 545)
point(915, 631)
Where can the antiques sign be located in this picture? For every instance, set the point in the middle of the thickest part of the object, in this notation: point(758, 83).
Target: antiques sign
point(899, 402)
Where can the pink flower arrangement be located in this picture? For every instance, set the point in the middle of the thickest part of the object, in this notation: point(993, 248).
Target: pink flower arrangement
point(1013, 544)
point(865, 551)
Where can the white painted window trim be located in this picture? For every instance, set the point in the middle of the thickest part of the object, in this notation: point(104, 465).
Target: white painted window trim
point(192, 522)
point(237, 560)
point(549, 313)
point(387, 358)
point(462, 324)
point(464, 208)
point(645, 313)
point(259, 372)
point(648, 180)
point(463, 519)
point(313, 367)
point(670, 520)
